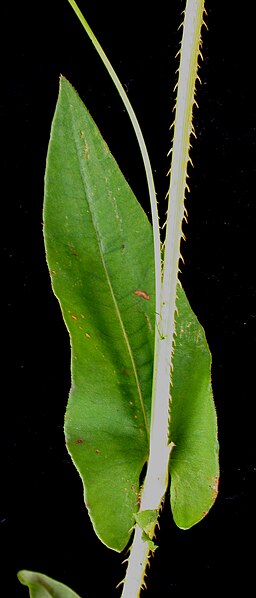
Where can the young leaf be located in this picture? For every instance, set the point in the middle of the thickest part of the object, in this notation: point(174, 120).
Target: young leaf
point(100, 254)
point(42, 586)
point(147, 520)
point(194, 465)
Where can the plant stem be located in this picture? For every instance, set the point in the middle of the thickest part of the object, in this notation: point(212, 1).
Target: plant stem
point(143, 149)
point(156, 479)
point(137, 564)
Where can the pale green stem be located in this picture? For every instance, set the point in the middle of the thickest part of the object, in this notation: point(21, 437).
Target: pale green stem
point(137, 564)
point(157, 472)
point(143, 149)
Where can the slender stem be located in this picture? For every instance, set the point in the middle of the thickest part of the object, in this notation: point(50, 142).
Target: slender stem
point(157, 472)
point(143, 149)
point(190, 50)
point(137, 564)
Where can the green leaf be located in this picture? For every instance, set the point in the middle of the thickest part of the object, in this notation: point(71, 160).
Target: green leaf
point(194, 463)
point(41, 586)
point(147, 521)
point(100, 255)
point(99, 250)
point(152, 546)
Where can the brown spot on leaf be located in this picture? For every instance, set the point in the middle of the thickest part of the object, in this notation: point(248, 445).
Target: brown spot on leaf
point(142, 294)
point(97, 451)
point(125, 371)
point(137, 494)
point(86, 152)
point(138, 497)
point(79, 441)
point(73, 249)
point(215, 487)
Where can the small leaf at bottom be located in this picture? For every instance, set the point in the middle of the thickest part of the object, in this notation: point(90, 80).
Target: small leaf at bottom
point(42, 586)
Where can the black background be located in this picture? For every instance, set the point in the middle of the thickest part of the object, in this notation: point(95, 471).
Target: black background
point(44, 525)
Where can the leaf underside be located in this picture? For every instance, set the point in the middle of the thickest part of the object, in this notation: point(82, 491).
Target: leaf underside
point(42, 586)
point(99, 249)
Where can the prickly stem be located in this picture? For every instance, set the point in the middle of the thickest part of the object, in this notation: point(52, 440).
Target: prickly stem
point(156, 479)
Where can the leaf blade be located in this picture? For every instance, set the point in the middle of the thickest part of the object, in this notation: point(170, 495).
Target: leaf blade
point(42, 586)
point(102, 264)
point(111, 327)
point(194, 465)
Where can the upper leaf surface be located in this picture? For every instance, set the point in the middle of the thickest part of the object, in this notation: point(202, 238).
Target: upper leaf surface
point(42, 586)
point(194, 465)
point(100, 255)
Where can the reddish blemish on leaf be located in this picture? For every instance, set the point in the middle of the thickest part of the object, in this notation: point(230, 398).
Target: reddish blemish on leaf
point(125, 371)
point(215, 487)
point(142, 294)
point(137, 494)
point(86, 153)
point(73, 250)
point(138, 497)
